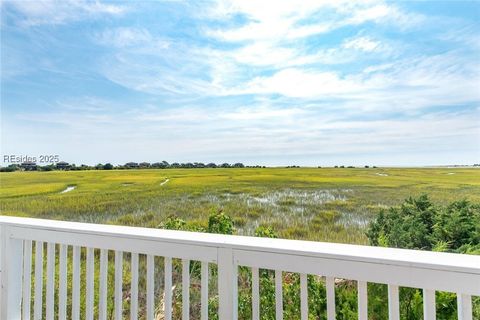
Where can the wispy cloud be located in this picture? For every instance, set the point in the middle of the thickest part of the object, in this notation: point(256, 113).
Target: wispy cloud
point(41, 12)
point(125, 37)
point(420, 82)
point(362, 43)
point(280, 20)
point(272, 36)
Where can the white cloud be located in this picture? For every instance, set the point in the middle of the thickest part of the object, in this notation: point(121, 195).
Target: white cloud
point(174, 117)
point(383, 13)
point(142, 60)
point(410, 84)
point(262, 113)
point(125, 37)
point(161, 68)
point(266, 64)
point(61, 11)
point(362, 43)
point(374, 13)
point(280, 20)
point(299, 83)
point(263, 54)
point(267, 20)
point(273, 36)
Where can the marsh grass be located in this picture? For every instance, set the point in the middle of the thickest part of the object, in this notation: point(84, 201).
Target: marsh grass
point(321, 204)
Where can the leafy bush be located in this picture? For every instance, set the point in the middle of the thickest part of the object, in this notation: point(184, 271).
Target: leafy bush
point(419, 224)
point(265, 232)
point(218, 222)
point(174, 223)
point(108, 166)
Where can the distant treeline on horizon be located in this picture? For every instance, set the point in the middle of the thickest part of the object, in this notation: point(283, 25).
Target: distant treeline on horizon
point(65, 166)
point(32, 166)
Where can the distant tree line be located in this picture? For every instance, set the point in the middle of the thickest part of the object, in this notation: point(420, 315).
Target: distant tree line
point(65, 166)
point(30, 166)
point(366, 167)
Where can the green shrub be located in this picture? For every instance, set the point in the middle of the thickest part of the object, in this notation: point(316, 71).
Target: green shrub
point(218, 222)
point(419, 224)
point(265, 232)
point(174, 223)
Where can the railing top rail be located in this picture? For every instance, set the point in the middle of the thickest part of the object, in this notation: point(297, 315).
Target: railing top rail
point(389, 256)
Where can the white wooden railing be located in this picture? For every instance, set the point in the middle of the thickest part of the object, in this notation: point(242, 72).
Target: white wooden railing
point(429, 271)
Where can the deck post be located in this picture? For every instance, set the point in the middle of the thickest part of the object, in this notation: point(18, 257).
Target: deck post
point(11, 258)
point(464, 306)
point(227, 285)
point(3, 284)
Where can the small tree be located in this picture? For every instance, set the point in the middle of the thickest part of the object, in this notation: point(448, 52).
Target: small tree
point(419, 224)
point(49, 167)
point(218, 222)
point(174, 223)
point(238, 165)
point(10, 168)
point(265, 232)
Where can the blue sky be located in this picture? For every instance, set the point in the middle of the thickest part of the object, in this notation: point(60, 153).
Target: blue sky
point(260, 82)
